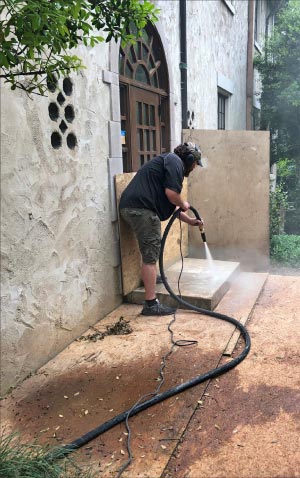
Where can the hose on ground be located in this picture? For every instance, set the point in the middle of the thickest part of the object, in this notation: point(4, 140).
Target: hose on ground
point(99, 430)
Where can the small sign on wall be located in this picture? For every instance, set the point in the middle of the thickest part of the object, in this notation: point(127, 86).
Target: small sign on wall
point(123, 137)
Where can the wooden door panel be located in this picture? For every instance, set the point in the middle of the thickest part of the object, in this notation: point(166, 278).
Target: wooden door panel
point(144, 126)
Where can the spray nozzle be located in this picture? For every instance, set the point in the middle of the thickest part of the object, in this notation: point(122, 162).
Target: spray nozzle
point(203, 235)
point(201, 228)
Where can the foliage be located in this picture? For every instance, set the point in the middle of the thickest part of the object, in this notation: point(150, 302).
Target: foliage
point(34, 461)
point(285, 169)
point(278, 204)
point(286, 249)
point(36, 36)
point(288, 173)
point(279, 68)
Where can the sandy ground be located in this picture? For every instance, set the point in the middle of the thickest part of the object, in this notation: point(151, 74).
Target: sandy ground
point(278, 269)
point(244, 424)
point(251, 426)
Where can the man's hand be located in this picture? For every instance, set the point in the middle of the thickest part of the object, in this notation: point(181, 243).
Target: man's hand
point(196, 222)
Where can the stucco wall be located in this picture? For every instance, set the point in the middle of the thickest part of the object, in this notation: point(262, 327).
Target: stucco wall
point(231, 193)
point(168, 29)
point(59, 247)
point(216, 56)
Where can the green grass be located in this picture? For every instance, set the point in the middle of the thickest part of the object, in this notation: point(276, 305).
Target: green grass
point(285, 249)
point(19, 460)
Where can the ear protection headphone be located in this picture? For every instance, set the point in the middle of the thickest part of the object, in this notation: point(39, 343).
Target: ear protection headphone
point(189, 160)
point(192, 155)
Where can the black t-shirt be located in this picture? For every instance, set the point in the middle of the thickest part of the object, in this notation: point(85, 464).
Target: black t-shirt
point(147, 188)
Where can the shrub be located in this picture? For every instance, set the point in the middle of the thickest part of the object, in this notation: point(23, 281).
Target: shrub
point(278, 204)
point(285, 249)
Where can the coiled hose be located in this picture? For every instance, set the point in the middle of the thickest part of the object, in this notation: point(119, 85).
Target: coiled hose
point(92, 434)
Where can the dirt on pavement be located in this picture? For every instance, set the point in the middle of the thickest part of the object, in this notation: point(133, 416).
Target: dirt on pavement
point(244, 424)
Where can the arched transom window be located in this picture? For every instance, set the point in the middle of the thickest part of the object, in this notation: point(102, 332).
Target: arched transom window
point(143, 99)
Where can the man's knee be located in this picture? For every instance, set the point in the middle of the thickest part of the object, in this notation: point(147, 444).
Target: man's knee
point(150, 248)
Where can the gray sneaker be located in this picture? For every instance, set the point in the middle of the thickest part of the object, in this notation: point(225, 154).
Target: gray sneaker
point(157, 309)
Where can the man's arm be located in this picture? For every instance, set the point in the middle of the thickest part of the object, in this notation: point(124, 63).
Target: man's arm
point(192, 221)
point(176, 199)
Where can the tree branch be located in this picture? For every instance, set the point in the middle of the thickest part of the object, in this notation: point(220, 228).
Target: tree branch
point(29, 73)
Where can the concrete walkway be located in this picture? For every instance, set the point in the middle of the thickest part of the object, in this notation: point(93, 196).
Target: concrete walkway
point(245, 424)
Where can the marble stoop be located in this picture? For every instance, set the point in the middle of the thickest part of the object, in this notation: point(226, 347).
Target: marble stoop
point(202, 283)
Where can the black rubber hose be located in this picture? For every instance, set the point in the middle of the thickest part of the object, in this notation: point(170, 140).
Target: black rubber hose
point(92, 434)
point(217, 315)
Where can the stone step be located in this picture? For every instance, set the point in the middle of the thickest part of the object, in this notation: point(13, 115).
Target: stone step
point(202, 283)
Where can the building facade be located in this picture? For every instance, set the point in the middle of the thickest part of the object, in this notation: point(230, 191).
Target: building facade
point(60, 153)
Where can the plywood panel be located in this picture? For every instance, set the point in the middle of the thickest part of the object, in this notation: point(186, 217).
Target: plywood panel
point(231, 193)
point(172, 247)
point(130, 255)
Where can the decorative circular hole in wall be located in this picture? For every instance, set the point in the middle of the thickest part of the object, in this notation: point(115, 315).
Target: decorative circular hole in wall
point(53, 111)
point(63, 126)
point(51, 83)
point(56, 140)
point(71, 140)
point(67, 86)
point(60, 98)
point(69, 113)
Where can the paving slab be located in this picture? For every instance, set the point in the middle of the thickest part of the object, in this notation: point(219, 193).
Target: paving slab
point(250, 424)
point(92, 381)
point(240, 301)
point(202, 283)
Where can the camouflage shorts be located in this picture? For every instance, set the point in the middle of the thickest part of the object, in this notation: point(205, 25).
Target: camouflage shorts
point(147, 229)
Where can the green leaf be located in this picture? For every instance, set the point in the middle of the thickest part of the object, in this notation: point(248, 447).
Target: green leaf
point(3, 60)
point(35, 22)
point(7, 31)
point(76, 10)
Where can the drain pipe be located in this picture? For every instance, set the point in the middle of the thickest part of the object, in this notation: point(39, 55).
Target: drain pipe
point(183, 62)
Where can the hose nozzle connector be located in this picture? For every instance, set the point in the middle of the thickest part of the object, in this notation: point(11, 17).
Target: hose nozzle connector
point(201, 228)
point(203, 235)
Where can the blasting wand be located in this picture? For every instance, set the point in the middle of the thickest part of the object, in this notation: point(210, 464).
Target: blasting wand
point(202, 232)
point(201, 228)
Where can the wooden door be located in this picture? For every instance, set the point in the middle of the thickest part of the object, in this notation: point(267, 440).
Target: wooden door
point(144, 126)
